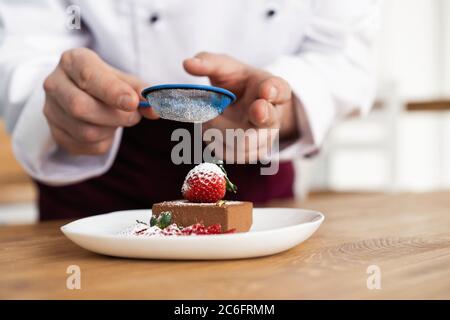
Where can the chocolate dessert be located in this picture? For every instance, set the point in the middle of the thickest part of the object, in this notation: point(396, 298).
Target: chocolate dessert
point(202, 211)
point(231, 215)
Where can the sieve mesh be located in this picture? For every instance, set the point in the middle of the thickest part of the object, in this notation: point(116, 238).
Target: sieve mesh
point(185, 105)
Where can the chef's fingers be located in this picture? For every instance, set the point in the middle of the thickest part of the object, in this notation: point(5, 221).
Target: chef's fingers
point(138, 85)
point(92, 75)
point(65, 141)
point(148, 113)
point(262, 114)
point(275, 90)
point(82, 132)
point(219, 67)
point(80, 105)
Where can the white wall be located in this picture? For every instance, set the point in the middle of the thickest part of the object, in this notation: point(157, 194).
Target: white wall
point(445, 20)
point(411, 48)
point(414, 54)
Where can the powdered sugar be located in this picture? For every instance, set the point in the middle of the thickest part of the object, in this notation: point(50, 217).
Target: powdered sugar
point(185, 105)
point(186, 203)
point(143, 230)
point(140, 229)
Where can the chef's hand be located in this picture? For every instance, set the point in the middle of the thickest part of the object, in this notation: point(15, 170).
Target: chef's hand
point(263, 100)
point(86, 100)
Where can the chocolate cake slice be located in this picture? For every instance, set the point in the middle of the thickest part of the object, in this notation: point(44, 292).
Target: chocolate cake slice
point(229, 214)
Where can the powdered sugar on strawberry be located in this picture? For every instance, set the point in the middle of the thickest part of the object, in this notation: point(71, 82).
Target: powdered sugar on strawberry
point(202, 171)
point(207, 182)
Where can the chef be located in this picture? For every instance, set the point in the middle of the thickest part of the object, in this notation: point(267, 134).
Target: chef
point(69, 95)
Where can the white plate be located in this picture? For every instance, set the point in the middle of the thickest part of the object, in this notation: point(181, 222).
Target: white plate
point(274, 230)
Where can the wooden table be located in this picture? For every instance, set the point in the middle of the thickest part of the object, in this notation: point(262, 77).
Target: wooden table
point(15, 185)
point(407, 236)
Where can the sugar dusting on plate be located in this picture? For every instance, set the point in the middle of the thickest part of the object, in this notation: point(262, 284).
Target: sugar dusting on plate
point(142, 230)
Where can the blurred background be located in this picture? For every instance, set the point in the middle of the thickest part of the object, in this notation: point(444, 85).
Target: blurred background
point(402, 146)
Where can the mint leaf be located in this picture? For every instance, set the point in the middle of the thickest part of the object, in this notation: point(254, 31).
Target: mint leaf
point(164, 219)
point(153, 221)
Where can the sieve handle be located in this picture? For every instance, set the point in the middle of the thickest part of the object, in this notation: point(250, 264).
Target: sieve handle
point(144, 104)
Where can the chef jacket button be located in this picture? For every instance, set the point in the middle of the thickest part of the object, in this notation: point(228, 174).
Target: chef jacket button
point(271, 13)
point(154, 18)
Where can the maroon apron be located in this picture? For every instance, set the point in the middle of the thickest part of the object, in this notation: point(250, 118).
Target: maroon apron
point(143, 173)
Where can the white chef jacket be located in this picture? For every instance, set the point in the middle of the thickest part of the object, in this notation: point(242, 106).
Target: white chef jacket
point(323, 48)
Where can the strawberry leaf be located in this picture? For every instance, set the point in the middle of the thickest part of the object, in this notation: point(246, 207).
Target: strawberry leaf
point(230, 186)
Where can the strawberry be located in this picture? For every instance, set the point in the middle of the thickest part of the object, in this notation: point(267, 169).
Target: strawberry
point(207, 182)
